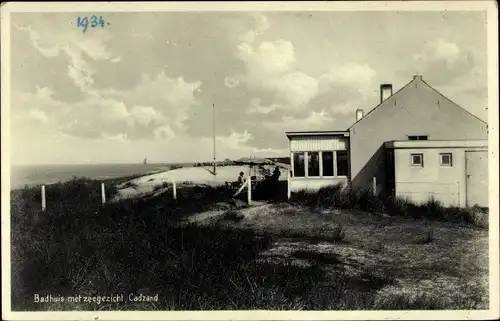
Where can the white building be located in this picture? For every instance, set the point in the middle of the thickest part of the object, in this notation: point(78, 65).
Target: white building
point(416, 143)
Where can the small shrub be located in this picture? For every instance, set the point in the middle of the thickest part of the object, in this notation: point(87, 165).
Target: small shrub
point(131, 184)
point(396, 206)
point(433, 207)
point(175, 166)
point(426, 238)
point(325, 258)
point(332, 235)
point(362, 199)
point(480, 219)
point(233, 215)
point(376, 247)
point(338, 233)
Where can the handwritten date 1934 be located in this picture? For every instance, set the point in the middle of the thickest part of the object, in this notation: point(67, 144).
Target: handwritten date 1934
point(92, 21)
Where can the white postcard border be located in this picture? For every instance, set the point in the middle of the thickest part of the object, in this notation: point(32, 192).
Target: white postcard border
point(493, 104)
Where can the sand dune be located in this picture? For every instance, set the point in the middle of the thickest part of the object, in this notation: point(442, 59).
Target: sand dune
point(194, 175)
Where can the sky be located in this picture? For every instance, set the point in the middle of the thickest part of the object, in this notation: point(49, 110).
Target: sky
point(144, 85)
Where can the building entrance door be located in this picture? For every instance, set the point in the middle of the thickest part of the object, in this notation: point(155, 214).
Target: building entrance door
point(476, 170)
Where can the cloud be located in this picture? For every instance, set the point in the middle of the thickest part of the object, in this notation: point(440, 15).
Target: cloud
point(169, 96)
point(239, 143)
point(144, 115)
point(343, 109)
point(442, 61)
point(256, 107)
point(78, 48)
point(135, 114)
point(39, 116)
point(314, 121)
point(359, 76)
point(231, 82)
point(268, 59)
point(270, 66)
point(259, 25)
point(440, 50)
point(297, 88)
point(164, 132)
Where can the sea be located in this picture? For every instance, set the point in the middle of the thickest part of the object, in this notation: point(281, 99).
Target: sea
point(28, 175)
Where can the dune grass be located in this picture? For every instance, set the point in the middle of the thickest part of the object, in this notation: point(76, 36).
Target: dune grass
point(403, 263)
point(336, 196)
point(79, 246)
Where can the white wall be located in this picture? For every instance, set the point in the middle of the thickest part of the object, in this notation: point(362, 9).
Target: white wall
point(446, 184)
point(415, 110)
point(318, 143)
point(313, 184)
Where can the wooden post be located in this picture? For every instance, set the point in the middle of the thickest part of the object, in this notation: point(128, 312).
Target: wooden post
point(103, 194)
point(43, 198)
point(249, 194)
point(289, 191)
point(174, 190)
point(374, 185)
point(213, 123)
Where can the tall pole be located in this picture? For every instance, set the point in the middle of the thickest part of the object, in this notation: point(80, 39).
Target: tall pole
point(213, 122)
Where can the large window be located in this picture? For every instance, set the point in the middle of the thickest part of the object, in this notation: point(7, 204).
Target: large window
point(327, 158)
point(320, 164)
point(313, 164)
point(299, 165)
point(342, 163)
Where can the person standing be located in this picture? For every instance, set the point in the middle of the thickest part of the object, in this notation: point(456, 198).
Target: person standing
point(241, 179)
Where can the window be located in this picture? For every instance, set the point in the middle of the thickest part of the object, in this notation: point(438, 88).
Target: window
point(327, 158)
point(333, 163)
point(299, 168)
point(446, 159)
point(312, 164)
point(413, 137)
point(342, 163)
point(417, 160)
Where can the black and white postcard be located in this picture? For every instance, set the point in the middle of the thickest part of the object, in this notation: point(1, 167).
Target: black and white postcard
point(250, 160)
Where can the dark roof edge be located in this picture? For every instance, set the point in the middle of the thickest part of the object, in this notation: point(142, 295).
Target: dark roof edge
point(429, 87)
point(380, 104)
point(451, 101)
point(318, 133)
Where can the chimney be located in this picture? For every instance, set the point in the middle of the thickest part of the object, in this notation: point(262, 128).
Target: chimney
point(359, 114)
point(385, 91)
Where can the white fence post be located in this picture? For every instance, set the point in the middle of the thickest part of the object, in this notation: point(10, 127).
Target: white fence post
point(374, 185)
point(174, 189)
point(289, 188)
point(103, 194)
point(249, 194)
point(43, 198)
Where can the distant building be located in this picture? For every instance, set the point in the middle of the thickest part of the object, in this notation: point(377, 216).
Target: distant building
point(416, 143)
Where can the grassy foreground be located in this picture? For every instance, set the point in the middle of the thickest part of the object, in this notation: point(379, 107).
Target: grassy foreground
point(335, 196)
point(280, 256)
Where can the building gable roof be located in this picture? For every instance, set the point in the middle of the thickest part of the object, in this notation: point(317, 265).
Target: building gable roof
point(407, 90)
